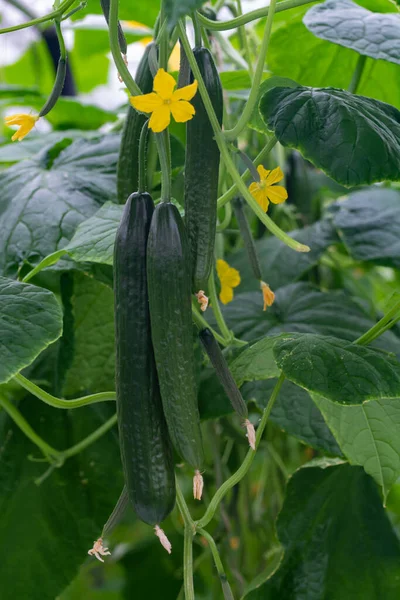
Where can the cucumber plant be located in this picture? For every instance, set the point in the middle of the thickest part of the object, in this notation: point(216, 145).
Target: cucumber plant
point(130, 308)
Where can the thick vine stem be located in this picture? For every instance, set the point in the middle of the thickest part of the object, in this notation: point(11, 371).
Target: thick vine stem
point(123, 70)
point(358, 71)
point(250, 16)
point(189, 533)
point(387, 321)
point(59, 402)
point(55, 14)
point(219, 138)
point(232, 134)
point(245, 466)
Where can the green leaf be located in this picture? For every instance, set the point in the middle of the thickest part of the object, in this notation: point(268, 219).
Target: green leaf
point(30, 320)
point(335, 369)
point(345, 23)
point(92, 368)
point(256, 121)
point(300, 307)
point(45, 198)
point(176, 9)
point(280, 264)
point(94, 238)
point(369, 436)
point(353, 139)
point(368, 222)
point(339, 543)
point(11, 152)
point(294, 412)
point(321, 63)
point(59, 519)
point(256, 362)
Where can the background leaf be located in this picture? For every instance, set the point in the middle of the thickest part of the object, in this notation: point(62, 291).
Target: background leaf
point(30, 320)
point(344, 373)
point(371, 34)
point(352, 138)
point(329, 515)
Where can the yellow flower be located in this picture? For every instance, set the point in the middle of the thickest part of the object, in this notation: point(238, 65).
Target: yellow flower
point(268, 294)
point(229, 278)
point(264, 191)
point(25, 122)
point(163, 101)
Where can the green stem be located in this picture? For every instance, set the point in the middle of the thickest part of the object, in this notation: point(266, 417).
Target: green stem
point(55, 14)
point(358, 71)
point(123, 70)
point(48, 261)
point(58, 402)
point(183, 508)
point(142, 157)
point(188, 565)
point(162, 141)
point(90, 439)
point(244, 42)
point(202, 323)
point(52, 455)
point(197, 29)
point(219, 138)
point(245, 466)
point(224, 329)
point(250, 16)
point(226, 588)
point(233, 190)
point(227, 218)
point(380, 327)
point(232, 134)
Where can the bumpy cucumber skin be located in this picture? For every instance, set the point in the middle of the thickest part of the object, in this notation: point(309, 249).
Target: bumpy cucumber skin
point(145, 444)
point(128, 160)
point(169, 286)
point(201, 173)
point(220, 365)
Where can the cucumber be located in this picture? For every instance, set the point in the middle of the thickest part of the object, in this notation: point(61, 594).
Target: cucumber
point(145, 445)
point(201, 173)
point(168, 276)
point(220, 365)
point(128, 160)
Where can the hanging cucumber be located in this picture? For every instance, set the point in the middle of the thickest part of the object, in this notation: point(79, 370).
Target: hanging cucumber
point(220, 365)
point(169, 287)
point(128, 160)
point(201, 173)
point(145, 445)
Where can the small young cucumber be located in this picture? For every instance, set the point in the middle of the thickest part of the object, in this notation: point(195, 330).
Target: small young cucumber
point(105, 7)
point(201, 173)
point(220, 365)
point(145, 445)
point(169, 287)
point(128, 160)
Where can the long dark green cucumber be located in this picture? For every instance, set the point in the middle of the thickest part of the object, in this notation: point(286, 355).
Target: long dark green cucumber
point(169, 285)
point(145, 445)
point(105, 7)
point(128, 160)
point(201, 173)
point(220, 365)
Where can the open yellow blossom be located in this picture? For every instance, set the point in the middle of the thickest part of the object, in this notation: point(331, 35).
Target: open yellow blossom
point(229, 278)
point(25, 122)
point(163, 101)
point(264, 191)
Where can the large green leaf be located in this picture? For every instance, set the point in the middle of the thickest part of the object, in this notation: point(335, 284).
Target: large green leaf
point(30, 320)
point(45, 198)
point(345, 23)
point(335, 369)
point(11, 152)
point(301, 307)
point(368, 222)
point(94, 239)
point(279, 264)
point(92, 367)
point(257, 362)
point(321, 63)
point(369, 436)
point(338, 541)
point(294, 412)
point(49, 528)
point(354, 139)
